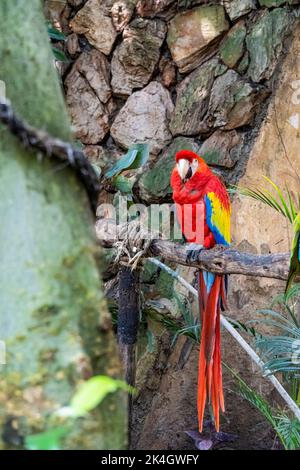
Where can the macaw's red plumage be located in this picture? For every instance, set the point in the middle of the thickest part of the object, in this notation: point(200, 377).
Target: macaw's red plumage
point(203, 211)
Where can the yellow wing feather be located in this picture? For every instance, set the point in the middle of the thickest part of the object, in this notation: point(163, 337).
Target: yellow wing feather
point(218, 218)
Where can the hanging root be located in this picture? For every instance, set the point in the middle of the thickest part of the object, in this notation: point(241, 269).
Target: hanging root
point(133, 242)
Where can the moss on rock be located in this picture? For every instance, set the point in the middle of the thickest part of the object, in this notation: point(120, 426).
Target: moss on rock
point(232, 48)
point(265, 42)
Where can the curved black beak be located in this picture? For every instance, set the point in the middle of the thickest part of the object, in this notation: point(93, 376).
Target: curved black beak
point(188, 175)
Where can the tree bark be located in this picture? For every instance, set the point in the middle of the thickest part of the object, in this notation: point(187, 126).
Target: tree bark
point(50, 287)
point(51, 147)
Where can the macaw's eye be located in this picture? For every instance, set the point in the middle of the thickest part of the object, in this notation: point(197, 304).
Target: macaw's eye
point(194, 165)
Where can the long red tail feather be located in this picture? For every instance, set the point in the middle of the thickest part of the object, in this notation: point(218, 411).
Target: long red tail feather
point(210, 367)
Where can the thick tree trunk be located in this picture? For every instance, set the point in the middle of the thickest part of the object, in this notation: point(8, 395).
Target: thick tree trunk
point(50, 288)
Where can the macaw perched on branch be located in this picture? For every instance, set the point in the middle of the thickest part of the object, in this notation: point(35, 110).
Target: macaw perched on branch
point(295, 255)
point(203, 211)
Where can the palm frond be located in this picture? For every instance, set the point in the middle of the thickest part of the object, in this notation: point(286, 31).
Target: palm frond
point(289, 430)
point(293, 295)
point(288, 207)
point(187, 325)
point(280, 352)
point(238, 325)
point(286, 428)
point(292, 204)
point(191, 326)
point(253, 397)
point(284, 202)
point(280, 321)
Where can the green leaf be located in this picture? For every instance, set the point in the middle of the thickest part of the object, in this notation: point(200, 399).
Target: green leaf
point(78, 144)
point(48, 440)
point(55, 34)
point(287, 429)
point(136, 157)
point(293, 208)
point(59, 55)
point(92, 392)
point(97, 169)
point(286, 205)
point(238, 325)
point(281, 197)
point(142, 156)
point(123, 184)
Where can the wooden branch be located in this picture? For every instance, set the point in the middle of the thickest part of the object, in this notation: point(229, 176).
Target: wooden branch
point(219, 260)
point(51, 147)
point(227, 260)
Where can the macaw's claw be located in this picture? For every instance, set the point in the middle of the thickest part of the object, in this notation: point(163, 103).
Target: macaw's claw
point(192, 252)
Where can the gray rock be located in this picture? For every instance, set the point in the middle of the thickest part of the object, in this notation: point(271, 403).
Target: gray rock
point(94, 21)
point(191, 3)
point(167, 69)
point(233, 101)
point(193, 35)
point(88, 96)
point(232, 47)
point(75, 3)
point(276, 3)
point(150, 8)
point(265, 42)
point(145, 118)
point(73, 46)
point(94, 67)
point(237, 8)
point(222, 148)
point(244, 63)
point(135, 58)
point(192, 101)
point(121, 13)
point(103, 156)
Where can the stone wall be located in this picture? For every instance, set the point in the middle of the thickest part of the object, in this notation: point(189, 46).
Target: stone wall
point(219, 77)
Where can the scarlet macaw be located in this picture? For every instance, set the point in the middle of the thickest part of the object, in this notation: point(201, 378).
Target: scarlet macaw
point(194, 185)
point(295, 255)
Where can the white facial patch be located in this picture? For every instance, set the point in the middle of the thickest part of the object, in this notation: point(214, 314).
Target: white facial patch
point(186, 169)
point(183, 166)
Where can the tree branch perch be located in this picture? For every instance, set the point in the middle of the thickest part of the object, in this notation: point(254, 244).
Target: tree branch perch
point(219, 260)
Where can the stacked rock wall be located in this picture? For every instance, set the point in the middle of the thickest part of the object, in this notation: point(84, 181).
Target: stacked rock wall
point(157, 71)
